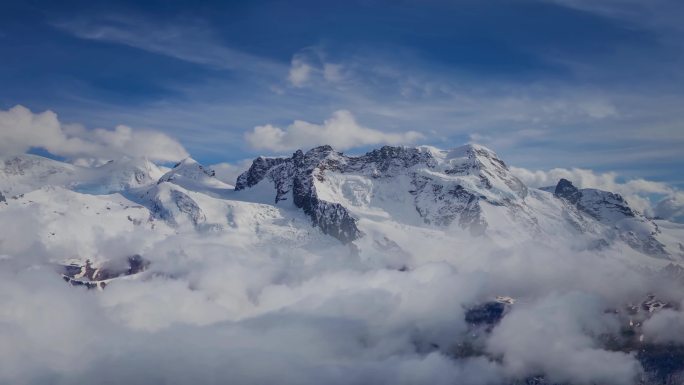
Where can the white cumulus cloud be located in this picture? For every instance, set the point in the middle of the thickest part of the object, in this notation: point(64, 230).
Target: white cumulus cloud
point(21, 129)
point(228, 172)
point(671, 207)
point(340, 131)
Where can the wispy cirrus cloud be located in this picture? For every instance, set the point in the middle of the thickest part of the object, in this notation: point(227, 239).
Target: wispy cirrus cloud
point(191, 40)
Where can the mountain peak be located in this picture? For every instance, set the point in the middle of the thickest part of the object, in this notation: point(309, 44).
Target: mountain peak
point(611, 209)
point(186, 162)
point(566, 190)
point(325, 149)
point(471, 149)
point(443, 185)
point(187, 168)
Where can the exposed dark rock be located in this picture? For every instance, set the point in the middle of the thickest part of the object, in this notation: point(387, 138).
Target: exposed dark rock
point(93, 277)
point(134, 264)
point(566, 190)
point(457, 203)
point(260, 166)
point(488, 313)
point(389, 160)
point(535, 380)
point(663, 364)
point(610, 209)
point(295, 176)
point(188, 206)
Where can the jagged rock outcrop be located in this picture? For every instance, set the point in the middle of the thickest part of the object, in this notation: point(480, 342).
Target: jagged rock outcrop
point(612, 210)
point(293, 178)
point(566, 190)
point(445, 187)
point(257, 171)
point(487, 314)
point(97, 276)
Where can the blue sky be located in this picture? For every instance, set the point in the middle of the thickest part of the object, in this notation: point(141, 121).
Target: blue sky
point(545, 83)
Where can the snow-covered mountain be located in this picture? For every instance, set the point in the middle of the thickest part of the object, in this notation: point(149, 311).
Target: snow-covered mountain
point(370, 202)
point(466, 190)
point(393, 214)
point(367, 200)
point(24, 173)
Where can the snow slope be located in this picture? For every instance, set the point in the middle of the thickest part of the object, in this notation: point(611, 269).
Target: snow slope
point(23, 173)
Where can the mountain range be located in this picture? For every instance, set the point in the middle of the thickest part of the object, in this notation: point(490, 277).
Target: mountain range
point(391, 208)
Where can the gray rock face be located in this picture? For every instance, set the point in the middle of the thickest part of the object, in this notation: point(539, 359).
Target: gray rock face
point(257, 171)
point(603, 204)
point(612, 210)
point(566, 190)
point(455, 203)
point(597, 203)
point(97, 277)
point(437, 203)
point(2, 198)
point(188, 206)
point(295, 175)
point(488, 167)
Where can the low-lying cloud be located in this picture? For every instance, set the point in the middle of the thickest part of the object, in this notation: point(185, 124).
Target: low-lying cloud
point(557, 336)
point(215, 307)
point(666, 326)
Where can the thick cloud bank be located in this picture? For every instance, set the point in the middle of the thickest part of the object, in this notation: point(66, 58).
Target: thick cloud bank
point(21, 130)
point(214, 308)
point(340, 131)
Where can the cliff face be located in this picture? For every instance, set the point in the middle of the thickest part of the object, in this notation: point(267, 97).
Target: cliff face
point(444, 187)
point(293, 178)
